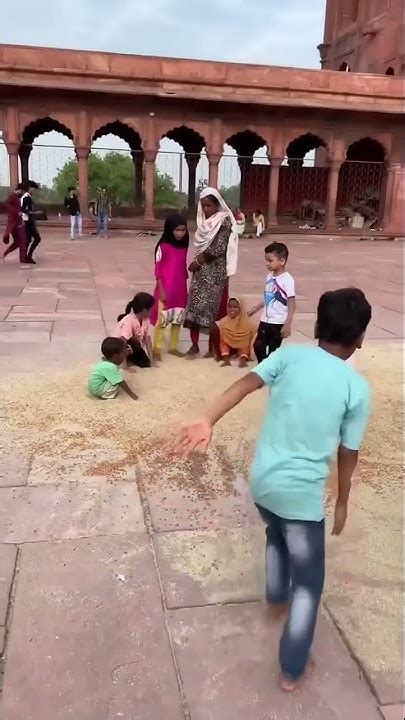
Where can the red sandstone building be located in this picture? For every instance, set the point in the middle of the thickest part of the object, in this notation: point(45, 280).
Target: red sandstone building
point(353, 121)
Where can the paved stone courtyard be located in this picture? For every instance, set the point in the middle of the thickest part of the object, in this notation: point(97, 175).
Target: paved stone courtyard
point(121, 597)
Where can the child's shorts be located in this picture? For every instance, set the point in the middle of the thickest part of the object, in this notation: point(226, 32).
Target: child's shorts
point(108, 391)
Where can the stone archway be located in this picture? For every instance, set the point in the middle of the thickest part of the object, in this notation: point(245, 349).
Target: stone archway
point(129, 149)
point(390, 71)
point(300, 147)
point(251, 171)
point(31, 133)
point(362, 178)
point(303, 182)
point(344, 67)
point(185, 154)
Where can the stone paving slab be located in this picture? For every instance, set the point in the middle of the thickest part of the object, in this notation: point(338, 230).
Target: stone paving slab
point(4, 311)
point(70, 329)
point(45, 299)
point(8, 554)
point(50, 512)
point(227, 656)
point(88, 639)
point(393, 712)
point(174, 505)
point(14, 467)
point(205, 568)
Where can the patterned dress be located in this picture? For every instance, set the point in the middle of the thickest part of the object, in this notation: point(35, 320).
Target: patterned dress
point(208, 283)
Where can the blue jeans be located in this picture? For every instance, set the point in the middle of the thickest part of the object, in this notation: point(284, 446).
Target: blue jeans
point(295, 573)
point(102, 223)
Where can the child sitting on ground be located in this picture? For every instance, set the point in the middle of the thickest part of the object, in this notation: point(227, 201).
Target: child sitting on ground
point(319, 406)
point(133, 326)
point(235, 333)
point(278, 304)
point(105, 377)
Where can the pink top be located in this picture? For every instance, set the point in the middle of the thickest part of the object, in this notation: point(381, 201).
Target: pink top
point(171, 269)
point(130, 327)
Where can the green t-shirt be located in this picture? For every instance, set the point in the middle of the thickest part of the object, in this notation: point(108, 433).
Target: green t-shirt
point(102, 374)
point(317, 402)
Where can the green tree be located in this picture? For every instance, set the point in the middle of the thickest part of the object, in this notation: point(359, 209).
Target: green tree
point(115, 171)
point(231, 195)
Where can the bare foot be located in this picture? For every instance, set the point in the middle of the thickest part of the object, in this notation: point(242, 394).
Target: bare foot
point(157, 356)
point(176, 353)
point(243, 362)
point(225, 362)
point(193, 351)
point(208, 355)
point(289, 685)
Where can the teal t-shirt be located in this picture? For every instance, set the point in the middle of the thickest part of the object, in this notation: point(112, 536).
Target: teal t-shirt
point(103, 373)
point(317, 403)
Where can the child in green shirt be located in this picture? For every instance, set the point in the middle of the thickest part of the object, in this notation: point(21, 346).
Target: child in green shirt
point(105, 377)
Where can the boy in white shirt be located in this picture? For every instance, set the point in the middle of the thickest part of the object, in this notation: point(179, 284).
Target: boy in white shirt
point(278, 305)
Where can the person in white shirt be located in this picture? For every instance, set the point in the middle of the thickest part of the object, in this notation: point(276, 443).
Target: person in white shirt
point(278, 304)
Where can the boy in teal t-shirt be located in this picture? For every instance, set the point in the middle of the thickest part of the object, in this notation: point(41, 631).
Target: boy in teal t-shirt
point(106, 378)
point(319, 406)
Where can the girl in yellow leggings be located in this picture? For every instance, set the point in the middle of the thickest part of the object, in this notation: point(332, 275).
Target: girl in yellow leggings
point(171, 284)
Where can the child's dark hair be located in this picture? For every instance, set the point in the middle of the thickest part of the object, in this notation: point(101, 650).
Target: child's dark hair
point(141, 301)
point(278, 249)
point(112, 346)
point(343, 316)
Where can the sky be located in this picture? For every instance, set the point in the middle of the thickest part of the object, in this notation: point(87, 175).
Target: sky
point(271, 32)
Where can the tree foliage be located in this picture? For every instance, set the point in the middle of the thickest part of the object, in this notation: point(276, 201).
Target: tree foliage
point(231, 195)
point(116, 172)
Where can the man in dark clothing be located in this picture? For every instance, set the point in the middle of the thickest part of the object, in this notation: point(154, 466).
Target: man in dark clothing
point(28, 216)
point(72, 205)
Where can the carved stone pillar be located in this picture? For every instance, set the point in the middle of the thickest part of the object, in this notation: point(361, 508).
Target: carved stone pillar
point(333, 181)
point(213, 161)
point(13, 163)
point(275, 164)
point(150, 157)
point(82, 155)
point(396, 223)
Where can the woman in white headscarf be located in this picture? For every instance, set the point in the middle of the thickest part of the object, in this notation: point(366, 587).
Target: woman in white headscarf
point(216, 243)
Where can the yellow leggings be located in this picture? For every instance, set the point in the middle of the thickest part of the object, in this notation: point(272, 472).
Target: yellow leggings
point(159, 337)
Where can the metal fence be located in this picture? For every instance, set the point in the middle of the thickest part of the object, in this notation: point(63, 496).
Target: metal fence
point(244, 181)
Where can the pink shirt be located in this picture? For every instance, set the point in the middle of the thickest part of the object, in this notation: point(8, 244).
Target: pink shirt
point(130, 327)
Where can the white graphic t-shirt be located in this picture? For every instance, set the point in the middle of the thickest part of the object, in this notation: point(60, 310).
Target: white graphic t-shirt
point(276, 293)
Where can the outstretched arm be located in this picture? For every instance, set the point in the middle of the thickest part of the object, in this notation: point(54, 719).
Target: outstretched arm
point(347, 461)
point(198, 434)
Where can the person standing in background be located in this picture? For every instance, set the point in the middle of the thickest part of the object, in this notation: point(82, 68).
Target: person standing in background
point(28, 216)
point(102, 210)
point(72, 205)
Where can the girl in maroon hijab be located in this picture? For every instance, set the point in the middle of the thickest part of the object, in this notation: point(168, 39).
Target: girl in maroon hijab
point(15, 226)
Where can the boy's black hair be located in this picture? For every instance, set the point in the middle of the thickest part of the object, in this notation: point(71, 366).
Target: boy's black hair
point(141, 301)
point(278, 249)
point(112, 346)
point(70, 188)
point(343, 316)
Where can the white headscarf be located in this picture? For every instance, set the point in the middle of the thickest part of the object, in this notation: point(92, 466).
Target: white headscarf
point(207, 228)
